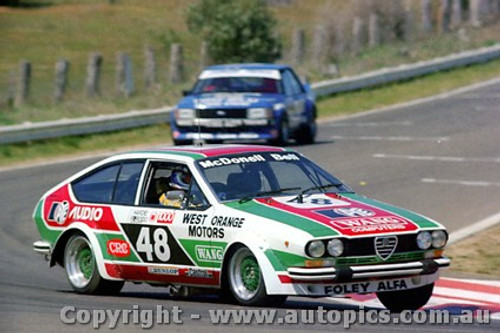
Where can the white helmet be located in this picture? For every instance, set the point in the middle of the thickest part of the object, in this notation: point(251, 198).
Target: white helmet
point(180, 180)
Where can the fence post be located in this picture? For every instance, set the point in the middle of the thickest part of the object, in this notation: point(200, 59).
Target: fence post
point(426, 19)
point(176, 64)
point(11, 88)
point(444, 16)
point(357, 35)
point(298, 46)
point(23, 84)
point(340, 41)
point(408, 24)
point(374, 30)
point(93, 75)
point(61, 82)
point(320, 46)
point(475, 13)
point(149, 67)
point(204, 56)
point(124, 78)
point(456, 13)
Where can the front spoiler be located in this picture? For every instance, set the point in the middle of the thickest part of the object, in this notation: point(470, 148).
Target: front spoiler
point(342, 274)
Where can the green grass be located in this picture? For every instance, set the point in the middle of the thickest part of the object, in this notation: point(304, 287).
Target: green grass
point(342, 104)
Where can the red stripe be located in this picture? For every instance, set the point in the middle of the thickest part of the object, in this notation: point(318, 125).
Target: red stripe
point(465, 299)
point(218, 151)
point(446, 283)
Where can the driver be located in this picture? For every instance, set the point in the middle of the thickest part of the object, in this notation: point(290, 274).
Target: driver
point(179, 183)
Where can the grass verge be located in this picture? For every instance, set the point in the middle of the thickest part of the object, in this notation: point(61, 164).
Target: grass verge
point(342, 104)
point(477, 254)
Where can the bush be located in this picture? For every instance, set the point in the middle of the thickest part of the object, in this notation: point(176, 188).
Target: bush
point(236, 30)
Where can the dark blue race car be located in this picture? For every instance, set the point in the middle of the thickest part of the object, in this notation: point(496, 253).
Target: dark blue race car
point(246, 102)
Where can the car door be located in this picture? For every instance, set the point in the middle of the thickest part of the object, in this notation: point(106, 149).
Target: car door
point(294, 98)
point(163, 237)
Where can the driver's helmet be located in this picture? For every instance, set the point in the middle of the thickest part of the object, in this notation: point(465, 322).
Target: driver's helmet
point(180, 180)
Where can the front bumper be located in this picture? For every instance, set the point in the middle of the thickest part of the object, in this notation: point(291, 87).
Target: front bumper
point(348, 273)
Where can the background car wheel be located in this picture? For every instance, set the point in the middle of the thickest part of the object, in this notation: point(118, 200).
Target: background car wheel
point(283, 134)
point(411, 299)
point(182, 142)
point(245, 280)
point(307, 134)
point(81, 269)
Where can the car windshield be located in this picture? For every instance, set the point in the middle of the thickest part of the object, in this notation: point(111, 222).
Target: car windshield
point(246, 176)
point(237, 85)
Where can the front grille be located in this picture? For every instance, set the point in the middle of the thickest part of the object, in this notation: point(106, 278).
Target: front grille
point(357, 247)
point(385, 246)
point(221, 113)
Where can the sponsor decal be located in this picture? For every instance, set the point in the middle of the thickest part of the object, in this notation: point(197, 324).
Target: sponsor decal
point(118, 248)
point(312, 201)
point(139, 216)
point(198, 273)
point(163, 271)
point(207, 232)
point(365, 287)
point(59, 212)
point(199, 225)
point(87, 213)
point(162, 217)
point(209, 253)
point(346, 212)
point(227, 221)
point(254, 158)
point(285, 157)
point(370, 224)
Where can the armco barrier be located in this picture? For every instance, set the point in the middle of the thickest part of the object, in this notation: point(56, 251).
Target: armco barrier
point(105, 123)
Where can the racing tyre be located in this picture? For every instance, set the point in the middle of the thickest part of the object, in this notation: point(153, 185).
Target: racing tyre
point(245, 280)
point(283, 134)
point(307, 134)
point(81, 269)
point(182, 142)
point(411, 299)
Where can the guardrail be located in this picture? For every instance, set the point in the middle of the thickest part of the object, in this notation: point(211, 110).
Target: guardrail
point(105, 123)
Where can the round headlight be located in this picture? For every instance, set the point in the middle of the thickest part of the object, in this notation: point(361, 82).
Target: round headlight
point(335, 247)
point(316, 249)
point(438, 238)
point(424, 240)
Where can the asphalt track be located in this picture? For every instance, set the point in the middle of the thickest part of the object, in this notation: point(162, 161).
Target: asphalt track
point(440, 158)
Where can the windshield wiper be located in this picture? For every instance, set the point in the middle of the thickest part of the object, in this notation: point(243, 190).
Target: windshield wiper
point(300, 196)
point(266, 193)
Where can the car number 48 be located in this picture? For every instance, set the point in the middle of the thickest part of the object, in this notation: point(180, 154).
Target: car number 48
point(159, 246)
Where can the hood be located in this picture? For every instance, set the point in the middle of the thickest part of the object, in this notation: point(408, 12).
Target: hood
point(345, 214)
point(230, 100)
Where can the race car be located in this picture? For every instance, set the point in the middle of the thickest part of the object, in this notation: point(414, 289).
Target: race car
point(246, 102)
point(255, 223)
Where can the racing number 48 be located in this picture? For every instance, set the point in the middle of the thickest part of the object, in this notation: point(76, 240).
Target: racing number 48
point(159, 247)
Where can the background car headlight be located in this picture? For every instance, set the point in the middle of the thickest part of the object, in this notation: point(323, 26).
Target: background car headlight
point(439, 238)
point(316, 249)
point(335, 247)
point(259, 113)
point(184, 114)
point(424, 240)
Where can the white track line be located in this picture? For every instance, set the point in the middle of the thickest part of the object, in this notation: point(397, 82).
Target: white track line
point(459, 182)
point(389, 138)
point(440, 158)
point(474, 228)
point(371, 124)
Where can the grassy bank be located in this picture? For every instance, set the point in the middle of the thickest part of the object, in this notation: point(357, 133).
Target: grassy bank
point(342, 104)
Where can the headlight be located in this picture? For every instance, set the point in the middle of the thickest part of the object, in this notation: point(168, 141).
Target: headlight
point(438, 238)
point(335, 247)
point(184, 114)
point(259, 113)
point(424, 240)
point(316, 249)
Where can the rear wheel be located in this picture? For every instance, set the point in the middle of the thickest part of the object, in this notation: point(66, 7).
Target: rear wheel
point(246, 282)
point(283, 134)
point(81, 269)
point(307, 134)
point(411, 299)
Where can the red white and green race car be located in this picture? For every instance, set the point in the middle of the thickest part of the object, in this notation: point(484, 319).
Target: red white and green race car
point(254, 222)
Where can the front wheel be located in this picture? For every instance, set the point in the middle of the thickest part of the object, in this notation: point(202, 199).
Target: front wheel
point(411, 299)
point(81, 269)
point(283, 134)
point(246, 282)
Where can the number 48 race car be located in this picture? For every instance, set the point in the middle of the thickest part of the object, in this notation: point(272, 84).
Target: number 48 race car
point(256, 223)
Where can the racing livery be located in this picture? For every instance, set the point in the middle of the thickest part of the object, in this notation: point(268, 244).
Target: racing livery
point(257, 223)
point(243, 102)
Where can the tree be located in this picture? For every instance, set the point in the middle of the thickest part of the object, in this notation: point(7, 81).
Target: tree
point(236, 30)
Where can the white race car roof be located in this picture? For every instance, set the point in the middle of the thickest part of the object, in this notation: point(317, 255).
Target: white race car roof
point(220, 73)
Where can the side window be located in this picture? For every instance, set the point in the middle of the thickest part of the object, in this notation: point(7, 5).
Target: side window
point(296, 85)
point(98, 186)
point(287, 84)
point(171, 185)
point(126, 184)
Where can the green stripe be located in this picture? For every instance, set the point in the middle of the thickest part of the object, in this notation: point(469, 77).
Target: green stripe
point(103, 238)
point(46, 234)
point(316, 229)
point(421, 221)
point(282, 260)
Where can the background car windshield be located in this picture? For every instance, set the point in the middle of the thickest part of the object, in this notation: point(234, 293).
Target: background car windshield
point(234, 180)
point(237, 84)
